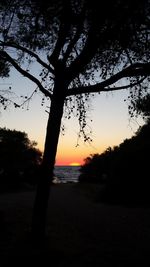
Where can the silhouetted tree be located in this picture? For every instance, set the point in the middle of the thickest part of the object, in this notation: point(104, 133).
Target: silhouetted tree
point(142, 107)
point(19, 158)
point(81, 49)
point(96, 168)
point(126, 167)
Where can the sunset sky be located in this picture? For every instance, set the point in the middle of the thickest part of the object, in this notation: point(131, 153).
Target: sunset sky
point(110, 124)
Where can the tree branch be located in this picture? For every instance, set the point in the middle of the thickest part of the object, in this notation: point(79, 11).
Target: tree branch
point(8, 58)
point(76, 36)
point(40, 61)
point(136, 70)
point(86, 55)
point(65, 23)
point(28, 98)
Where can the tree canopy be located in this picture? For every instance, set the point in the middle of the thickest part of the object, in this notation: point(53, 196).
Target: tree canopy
point(142, 106)
point(122, 170)
point(101, 49)
point(19, 158)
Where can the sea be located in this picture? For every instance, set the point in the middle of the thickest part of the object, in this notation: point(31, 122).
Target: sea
point(66, 174)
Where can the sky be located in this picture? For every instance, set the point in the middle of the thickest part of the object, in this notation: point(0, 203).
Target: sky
point(111, 123)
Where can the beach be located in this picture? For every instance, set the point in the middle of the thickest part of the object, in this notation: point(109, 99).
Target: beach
point(80, 231)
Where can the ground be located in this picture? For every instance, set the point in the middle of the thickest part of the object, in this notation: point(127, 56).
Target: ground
point(80, 231)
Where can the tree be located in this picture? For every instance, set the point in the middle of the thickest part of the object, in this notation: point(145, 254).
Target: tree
point(123, 170)
point(96, 167)
point(81, 49)
point(19, 158)
point(142, 106)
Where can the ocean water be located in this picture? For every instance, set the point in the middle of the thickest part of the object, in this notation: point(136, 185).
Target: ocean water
point(65, 174)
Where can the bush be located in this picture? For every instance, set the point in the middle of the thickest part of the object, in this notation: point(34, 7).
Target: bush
point(19, 159)
point(126, 169)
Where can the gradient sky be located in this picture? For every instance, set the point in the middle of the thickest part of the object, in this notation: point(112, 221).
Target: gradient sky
point(110, 124)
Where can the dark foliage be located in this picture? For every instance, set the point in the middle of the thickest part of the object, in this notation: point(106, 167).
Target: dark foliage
point(143, 107)
point(19, 159)
point(125, 169)
point(4, 68)
point(96, 167)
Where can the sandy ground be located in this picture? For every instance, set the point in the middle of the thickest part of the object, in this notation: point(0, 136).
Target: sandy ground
point(81, 232)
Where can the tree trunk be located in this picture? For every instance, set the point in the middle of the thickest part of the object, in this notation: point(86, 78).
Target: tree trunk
point(47, 167)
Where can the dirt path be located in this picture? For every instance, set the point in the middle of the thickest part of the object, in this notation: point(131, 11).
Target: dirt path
point(81, 232)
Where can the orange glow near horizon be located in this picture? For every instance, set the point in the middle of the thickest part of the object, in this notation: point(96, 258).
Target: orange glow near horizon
point(68, 154)
point(62, 162)
point(74, 164)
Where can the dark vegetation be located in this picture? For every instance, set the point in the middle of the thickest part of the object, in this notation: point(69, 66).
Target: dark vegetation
point(19, 160)
point(123, 169)
point(79, 49)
